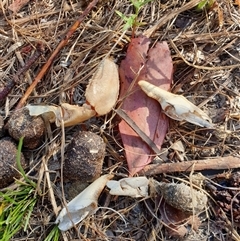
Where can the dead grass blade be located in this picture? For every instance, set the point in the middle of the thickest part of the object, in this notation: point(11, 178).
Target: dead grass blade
point(55, 53)
point(149, 32)
point(214, 68)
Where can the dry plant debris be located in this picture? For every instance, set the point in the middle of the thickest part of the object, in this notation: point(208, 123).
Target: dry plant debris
point(143, 62)
point(1, 126)
point(17, 5)
point(226, 192)
point(203, 48)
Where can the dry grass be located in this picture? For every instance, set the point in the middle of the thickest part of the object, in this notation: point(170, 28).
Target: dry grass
point(206, 57)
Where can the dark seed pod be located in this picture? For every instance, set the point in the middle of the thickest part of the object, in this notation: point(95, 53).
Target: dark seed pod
point(183, 197)
point(32, 128)
point(84, 157)
point(8, 164)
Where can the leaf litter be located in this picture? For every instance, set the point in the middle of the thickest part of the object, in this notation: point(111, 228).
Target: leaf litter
point(155, 64)
point(211, 83)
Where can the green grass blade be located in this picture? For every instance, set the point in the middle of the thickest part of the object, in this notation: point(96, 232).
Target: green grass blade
point(19, 152)
point(53, 235)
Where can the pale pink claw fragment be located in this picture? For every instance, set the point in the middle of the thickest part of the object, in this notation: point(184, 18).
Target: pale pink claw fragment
point(101, 95)
point(176, 107)
point(84, 204)
point(103, 89)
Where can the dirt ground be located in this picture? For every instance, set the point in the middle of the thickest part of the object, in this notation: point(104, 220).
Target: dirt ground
point(205, 51)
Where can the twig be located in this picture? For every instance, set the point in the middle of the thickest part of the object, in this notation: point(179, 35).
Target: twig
point(140, 133)
point(214, 68)
point(63, 42)
point(7, 89)
point(228, 162)
point(36, 55)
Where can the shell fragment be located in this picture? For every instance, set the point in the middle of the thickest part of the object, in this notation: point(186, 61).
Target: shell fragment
point(176, 107)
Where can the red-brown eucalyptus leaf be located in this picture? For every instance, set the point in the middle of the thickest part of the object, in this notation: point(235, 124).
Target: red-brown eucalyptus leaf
point(157, 69)
point(17, 5)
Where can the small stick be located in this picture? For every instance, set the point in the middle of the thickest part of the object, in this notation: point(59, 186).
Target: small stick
point(228, 162)
point(140, 133)
point(7, 89)
point(63, 42)
point(36, 55)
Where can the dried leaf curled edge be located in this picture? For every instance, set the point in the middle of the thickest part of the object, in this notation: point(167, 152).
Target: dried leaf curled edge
point(176, 107)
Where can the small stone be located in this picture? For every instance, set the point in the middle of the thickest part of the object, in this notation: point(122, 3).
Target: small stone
point(32, 128)
point(8, 164)
point(84, 157)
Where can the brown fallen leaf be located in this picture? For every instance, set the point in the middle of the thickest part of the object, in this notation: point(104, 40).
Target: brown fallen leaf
point(17, 5)
point(174, 220)
point(177, 222)
point(155, 65)
point(176, 107)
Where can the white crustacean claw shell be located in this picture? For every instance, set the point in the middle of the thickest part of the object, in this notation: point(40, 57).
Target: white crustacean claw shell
point(82, 205)
point(101, 95)
point(70, 114)
point(131, 186)
point(103, 89)
point(176, 107)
